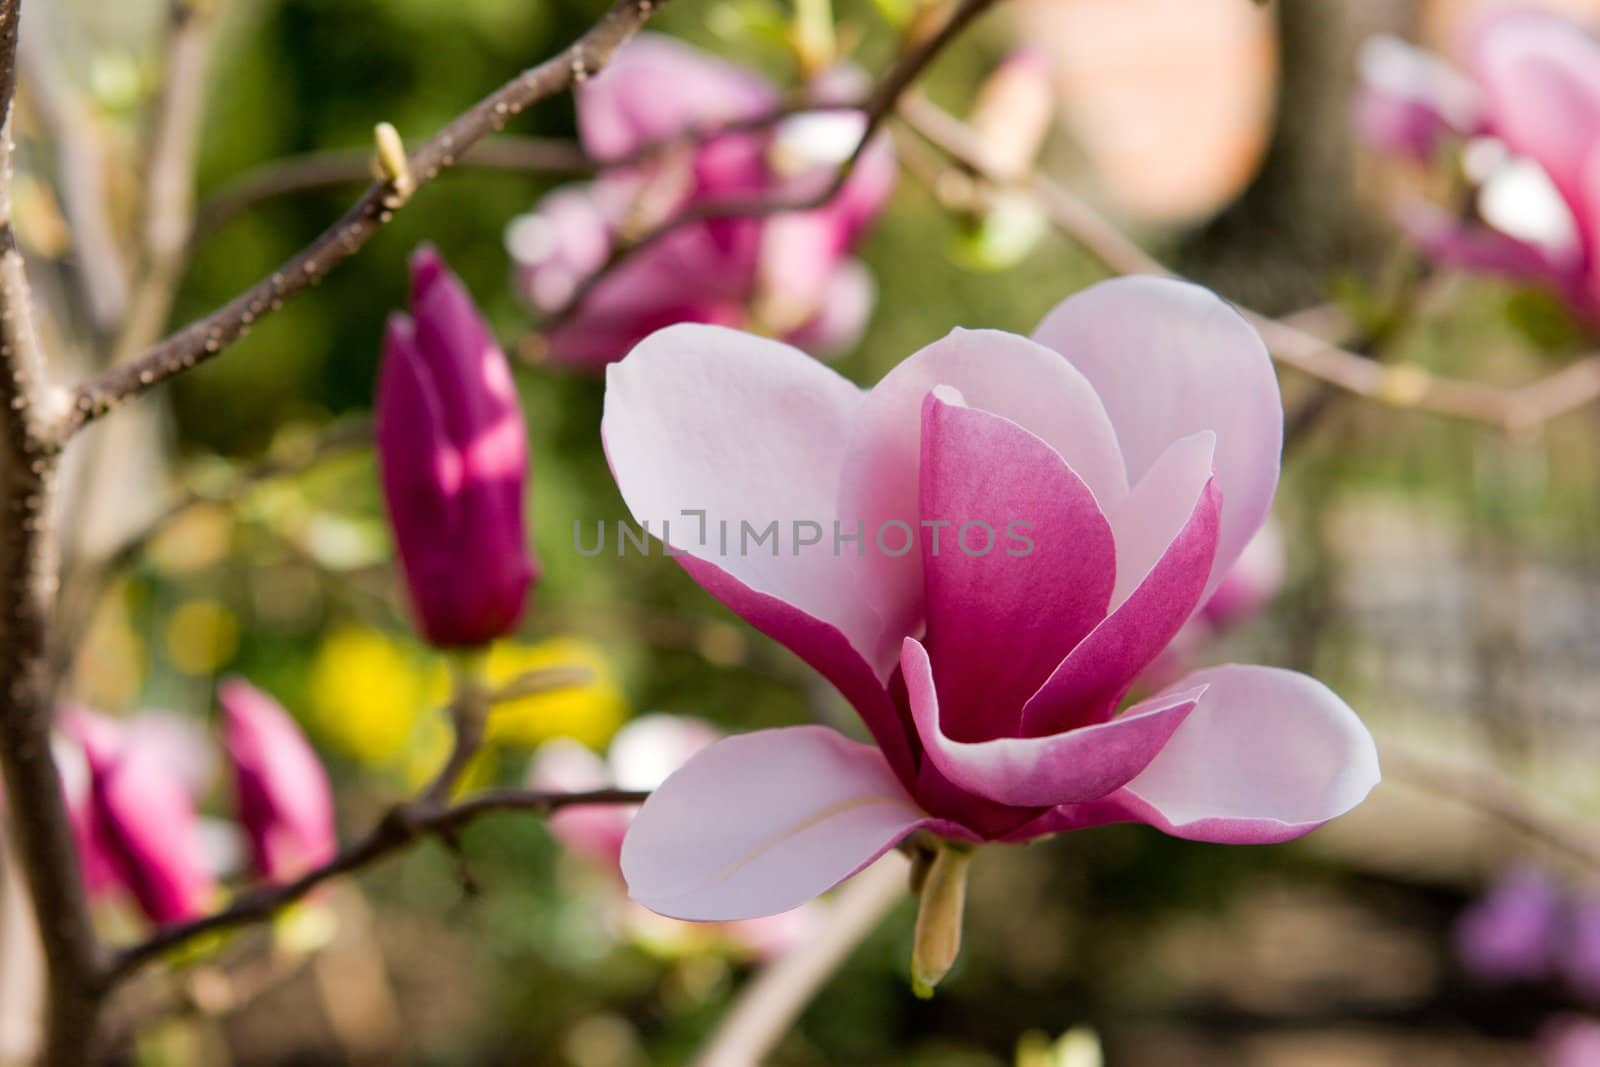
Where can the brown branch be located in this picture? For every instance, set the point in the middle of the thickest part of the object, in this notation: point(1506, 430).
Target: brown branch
point(202, 340)
point(1493, 793)
point(99, 267)
point(774, 999)
point(27, 588)
point(879, 105)
point(400, 829)
point(324, 170)
point(168, 208)
point(1403, 385)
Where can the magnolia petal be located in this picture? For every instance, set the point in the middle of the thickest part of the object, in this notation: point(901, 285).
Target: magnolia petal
point(1171, 520)
point(993, 371)
point(624, 108)
point(751, 432)
point(1267, 755)
point(1068, 768)
point(763, 822)
point(1540, 76)
point(1169, 359)
point(1002, 617)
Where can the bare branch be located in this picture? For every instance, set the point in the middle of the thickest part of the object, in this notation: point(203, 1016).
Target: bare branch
point(404, 826)
point(201, 340)
point(168, 207)
point(34, 794)
point(1493, 793)
point(99, 265)
point(1404, 385)
point(770, 1004)
point(324, 170)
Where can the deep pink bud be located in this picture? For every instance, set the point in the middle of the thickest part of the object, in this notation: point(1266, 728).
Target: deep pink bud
point(142, 822)
point(284, 801)
point(1411, 101)
point(453, 457)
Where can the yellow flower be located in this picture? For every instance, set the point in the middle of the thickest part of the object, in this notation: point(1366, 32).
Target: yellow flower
point(369, 695)
point(588, 713)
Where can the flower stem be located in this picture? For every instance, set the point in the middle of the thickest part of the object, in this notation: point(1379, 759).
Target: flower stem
point(938, 932)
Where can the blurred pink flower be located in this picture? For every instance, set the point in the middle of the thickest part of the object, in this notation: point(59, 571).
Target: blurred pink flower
point(1132, 446)
point(1527, 114)
point(643, 755)
point(138, 820)
point(788, 274)
point(1513, 932)
point(1570, 1041)
point(453, 456)
point(285, 803)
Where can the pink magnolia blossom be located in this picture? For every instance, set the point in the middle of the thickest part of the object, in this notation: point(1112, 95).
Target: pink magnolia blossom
point(1129, 451)
point(643, 755)
point(788, 274)
point(140, 822)
point(453, 456)
point(1526, 112)
point(285, 803)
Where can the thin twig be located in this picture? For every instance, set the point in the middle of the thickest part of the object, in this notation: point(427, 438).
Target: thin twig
point(83, 586)
point(202, 340)
point(1403, 385)
point(878, 107)
point(404, 826)
point(325, 170)
point(774, 999)
point(1493, 793)
point(168, 207)
point(99, 265)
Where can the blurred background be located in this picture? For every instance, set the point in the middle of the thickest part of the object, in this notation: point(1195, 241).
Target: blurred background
point(1441, 576)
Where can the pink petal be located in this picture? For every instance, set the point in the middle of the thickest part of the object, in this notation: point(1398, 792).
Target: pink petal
point(1170, 359)
point(761, 823)
point(1267, 755)
point(1166, 539)
point(1068, 768)
point(1540, 76)
point(752, 432)
point(1473, 247)
point(843, 314)
point(1410, 99)
point(624, 107)
point(996, 372)
point(1002, 617)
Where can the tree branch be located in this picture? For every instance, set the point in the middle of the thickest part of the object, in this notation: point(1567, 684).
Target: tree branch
point(202, 340)
point(168, 209)
point(774, 999)
point(1403, 385)
point(402, 827)
point(99, 266)
point(1495, 794)
point(323, 170)
point(27, 588)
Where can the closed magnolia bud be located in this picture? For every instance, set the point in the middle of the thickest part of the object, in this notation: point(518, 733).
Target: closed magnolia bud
point(285, 804)
point(1013, 112)
point(453, 457)
point(143, 821)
